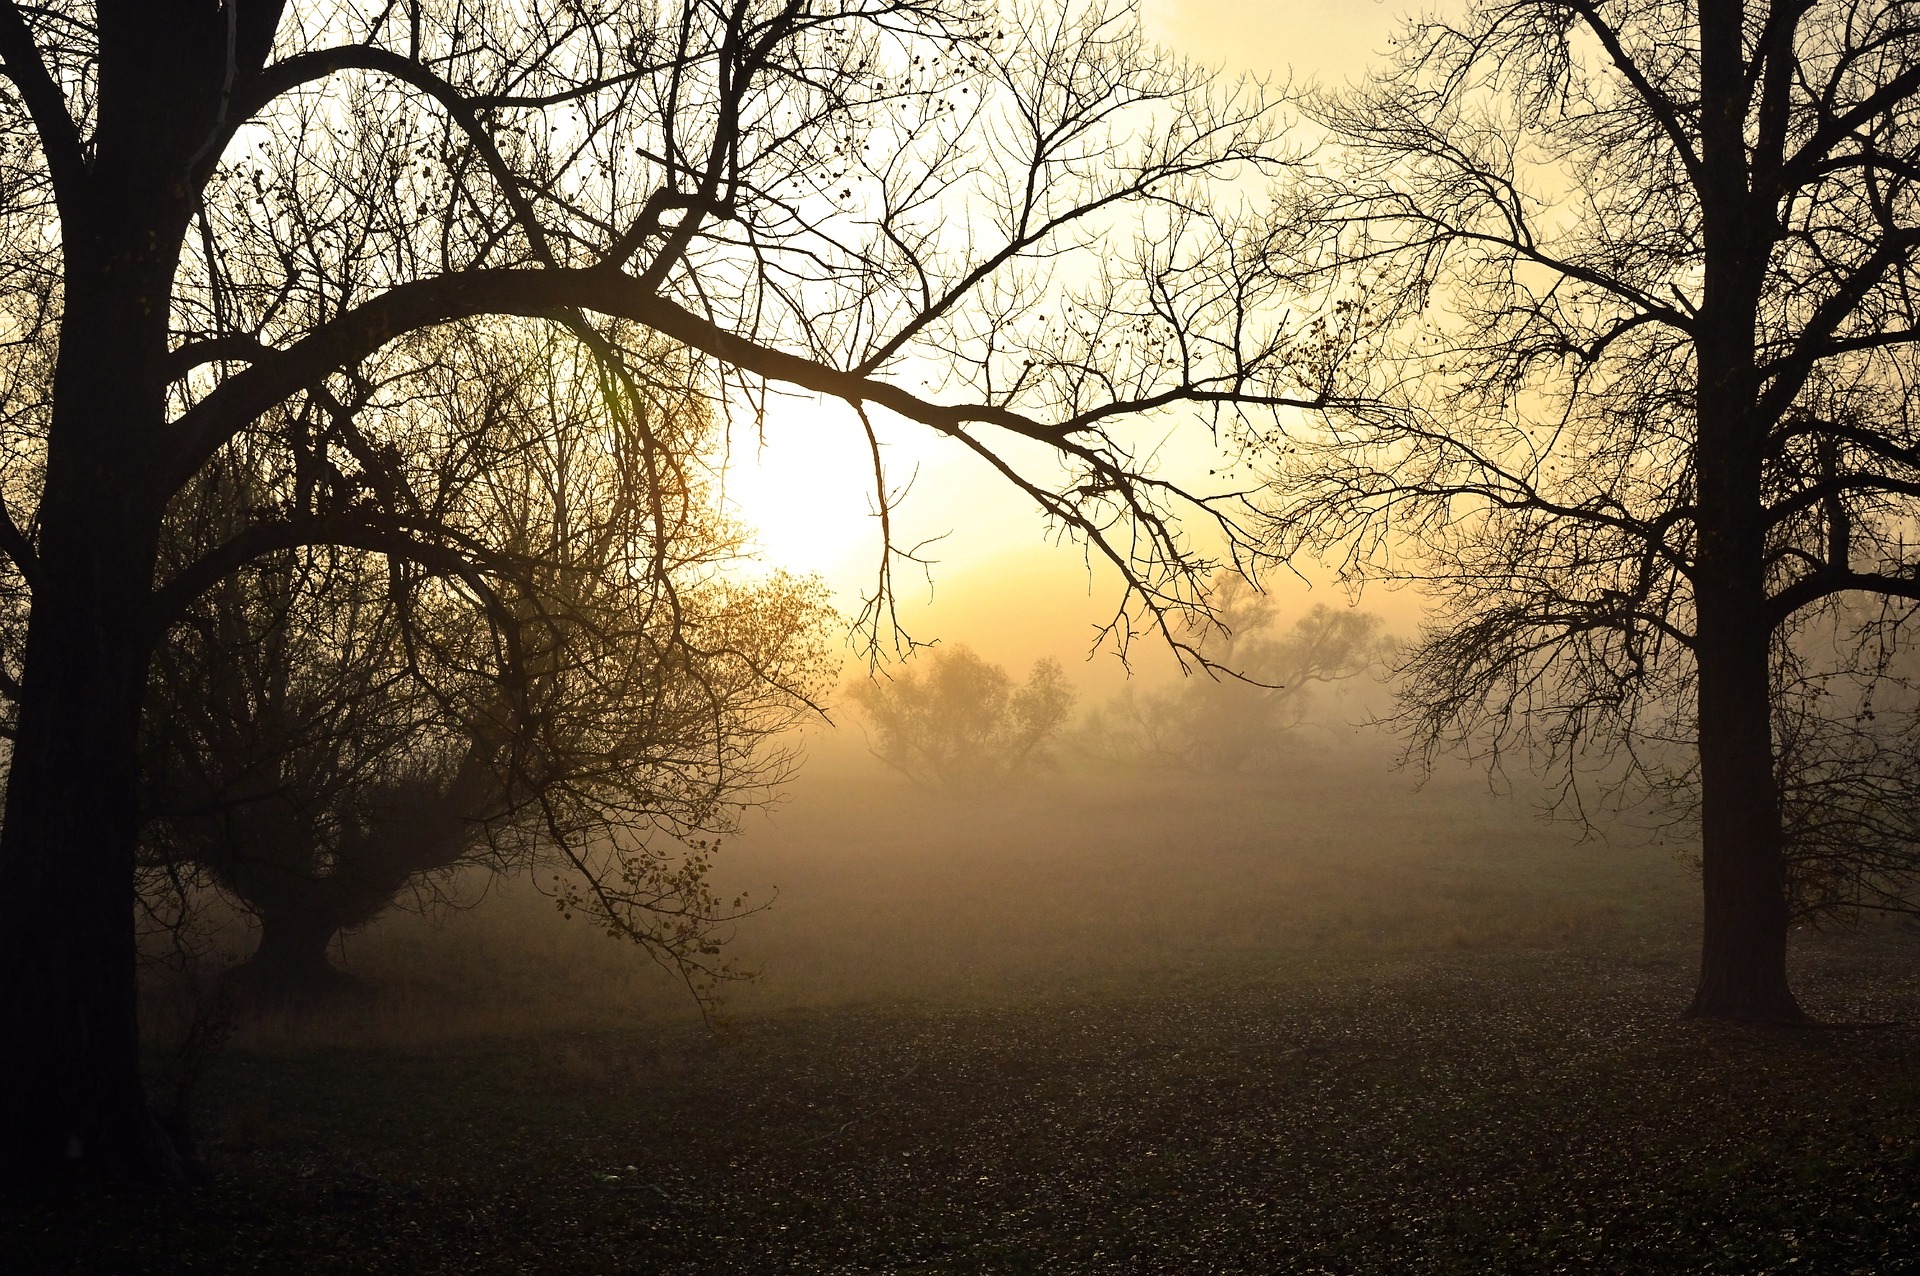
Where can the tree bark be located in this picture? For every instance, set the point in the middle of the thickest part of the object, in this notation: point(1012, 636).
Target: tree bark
point(72, 1106)
point(1743, 953)
point(71, 1101)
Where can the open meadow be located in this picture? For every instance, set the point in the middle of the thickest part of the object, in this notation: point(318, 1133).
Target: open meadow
point(1105, 1020)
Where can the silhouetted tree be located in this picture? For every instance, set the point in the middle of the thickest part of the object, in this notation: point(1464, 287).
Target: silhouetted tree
point(1237, 715)
point(321, 738)
point(236, 215)
point(1634, 284)
point(956, 721)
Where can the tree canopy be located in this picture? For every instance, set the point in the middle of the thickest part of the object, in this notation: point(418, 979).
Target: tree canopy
point(955, 720)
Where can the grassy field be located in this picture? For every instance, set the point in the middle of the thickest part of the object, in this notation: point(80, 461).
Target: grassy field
point(1326, 1022)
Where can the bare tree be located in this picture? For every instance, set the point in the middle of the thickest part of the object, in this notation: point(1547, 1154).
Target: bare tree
point(1634, 284)
point(321, 739)
point(1238, 714)
point(956, 721)
point(1008, 226)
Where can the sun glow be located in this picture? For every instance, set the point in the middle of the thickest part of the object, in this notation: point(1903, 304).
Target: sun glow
point(805, 484)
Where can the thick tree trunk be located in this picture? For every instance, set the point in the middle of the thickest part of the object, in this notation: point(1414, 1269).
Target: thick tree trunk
point(1743, 959)
point(291, 965)
point(71, 1102)
point(72, 1107)
point(1743, 955)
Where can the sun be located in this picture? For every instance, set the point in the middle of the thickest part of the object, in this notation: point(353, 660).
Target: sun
point(806, 490)
point(804, 486)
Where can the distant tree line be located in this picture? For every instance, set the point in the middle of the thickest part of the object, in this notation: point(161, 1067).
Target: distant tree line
point(1239, 712)
point(951, 719)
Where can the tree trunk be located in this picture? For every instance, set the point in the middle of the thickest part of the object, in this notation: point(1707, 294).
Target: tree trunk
point(1743, 955)
point(291, 965)
point(71, 1101)
point(72, 1107)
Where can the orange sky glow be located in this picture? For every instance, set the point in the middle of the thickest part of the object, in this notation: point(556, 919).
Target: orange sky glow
point(998, 582)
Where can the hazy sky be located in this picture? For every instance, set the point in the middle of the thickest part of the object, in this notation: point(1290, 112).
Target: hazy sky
point(998, 583)
point(1325, 40)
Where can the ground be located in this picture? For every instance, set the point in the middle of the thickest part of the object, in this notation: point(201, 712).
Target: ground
point(1511, 1113)
point(1059, 1045)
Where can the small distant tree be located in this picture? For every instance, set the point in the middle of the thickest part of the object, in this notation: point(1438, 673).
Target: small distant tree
point(1259, 686)
point(958, 721)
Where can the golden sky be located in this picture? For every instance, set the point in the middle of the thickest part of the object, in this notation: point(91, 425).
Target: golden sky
point(1324, 40)
point(997, 582)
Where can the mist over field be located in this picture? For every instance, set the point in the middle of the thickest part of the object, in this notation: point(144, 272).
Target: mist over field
point(1098, 1015)
point(1082, 876)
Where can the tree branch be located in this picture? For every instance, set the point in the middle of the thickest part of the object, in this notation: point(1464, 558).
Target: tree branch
point(20, 61)
point(1812, 589)
point(202, 429)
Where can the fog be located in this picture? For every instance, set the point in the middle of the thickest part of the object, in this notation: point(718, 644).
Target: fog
point(1334, 994)
point(1079, 875)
